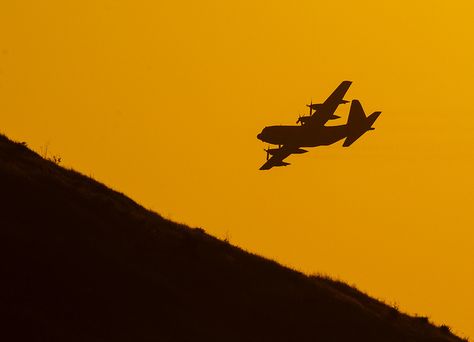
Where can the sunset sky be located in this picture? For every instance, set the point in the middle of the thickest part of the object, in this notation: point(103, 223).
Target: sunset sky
point(162, 100)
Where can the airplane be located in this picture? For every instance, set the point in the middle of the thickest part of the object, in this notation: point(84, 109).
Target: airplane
point(313, 132)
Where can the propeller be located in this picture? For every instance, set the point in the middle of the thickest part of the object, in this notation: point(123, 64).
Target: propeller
point(267, 150)
point(310, 112)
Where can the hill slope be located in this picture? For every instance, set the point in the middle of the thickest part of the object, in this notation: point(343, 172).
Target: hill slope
point(81, 262)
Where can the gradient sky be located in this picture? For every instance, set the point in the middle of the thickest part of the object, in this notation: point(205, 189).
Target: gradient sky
point(163, 101)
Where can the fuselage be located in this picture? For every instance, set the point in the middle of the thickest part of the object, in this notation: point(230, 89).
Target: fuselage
point(303, 136)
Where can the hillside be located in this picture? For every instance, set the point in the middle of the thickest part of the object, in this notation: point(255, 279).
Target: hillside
point(81, 262)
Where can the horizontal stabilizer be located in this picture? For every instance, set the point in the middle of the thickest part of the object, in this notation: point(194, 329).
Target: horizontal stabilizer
point(350, 139)
point(299, 151)
point(371, 119)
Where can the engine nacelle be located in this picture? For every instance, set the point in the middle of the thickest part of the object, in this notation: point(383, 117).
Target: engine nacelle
point(303, 119)
point(272, 151)
point(315, 106)
point(299, 151)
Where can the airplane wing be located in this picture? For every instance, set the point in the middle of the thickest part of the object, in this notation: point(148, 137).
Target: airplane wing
point(325, 111)
point(337, 96)
point(277, 158)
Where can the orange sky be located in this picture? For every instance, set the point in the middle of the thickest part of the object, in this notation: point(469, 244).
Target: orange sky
point(163, 101)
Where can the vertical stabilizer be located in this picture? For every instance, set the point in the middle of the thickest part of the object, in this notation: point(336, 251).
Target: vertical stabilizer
point(356, 115)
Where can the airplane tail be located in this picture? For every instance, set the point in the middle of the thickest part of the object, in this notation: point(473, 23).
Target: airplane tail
point(358, 123)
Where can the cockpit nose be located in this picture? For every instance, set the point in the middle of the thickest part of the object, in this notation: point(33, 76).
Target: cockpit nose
point(259, 136)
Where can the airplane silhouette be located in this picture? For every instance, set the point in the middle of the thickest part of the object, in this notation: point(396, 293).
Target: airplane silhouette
point(312, 132)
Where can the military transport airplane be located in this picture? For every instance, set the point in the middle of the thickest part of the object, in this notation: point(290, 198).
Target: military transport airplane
point(313, 131)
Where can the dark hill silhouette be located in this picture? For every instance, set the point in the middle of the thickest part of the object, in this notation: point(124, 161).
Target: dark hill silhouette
point(81, 262)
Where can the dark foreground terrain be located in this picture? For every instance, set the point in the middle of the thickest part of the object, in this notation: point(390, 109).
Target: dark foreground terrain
point(81, 262)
